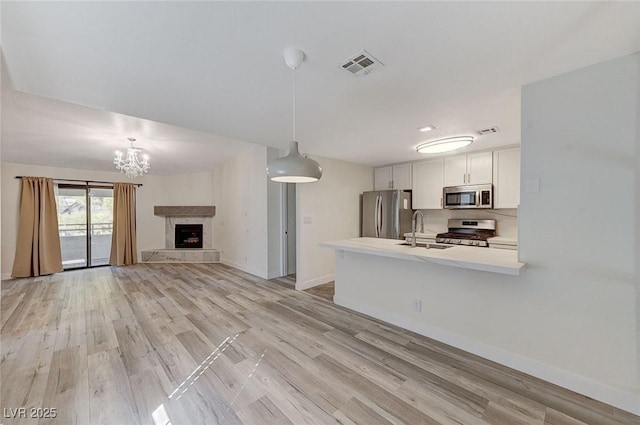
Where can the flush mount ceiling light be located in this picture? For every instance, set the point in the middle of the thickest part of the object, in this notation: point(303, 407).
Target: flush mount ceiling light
point(426, 128)
point(132, 166)
point(444, 145)
point(294, 168)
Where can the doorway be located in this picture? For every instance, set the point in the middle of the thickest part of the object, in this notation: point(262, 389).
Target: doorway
point(85, 223)
point(289, 231)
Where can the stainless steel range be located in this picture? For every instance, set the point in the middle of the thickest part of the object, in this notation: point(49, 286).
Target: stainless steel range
point(468, 232)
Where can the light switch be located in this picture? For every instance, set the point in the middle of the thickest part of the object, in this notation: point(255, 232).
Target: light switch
point(306, 220)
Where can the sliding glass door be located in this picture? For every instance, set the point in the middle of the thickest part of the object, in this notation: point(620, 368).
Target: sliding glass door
point(85, 221)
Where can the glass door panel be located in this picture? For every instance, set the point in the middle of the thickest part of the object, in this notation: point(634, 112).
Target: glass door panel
point(101, 224)
point(72, 225)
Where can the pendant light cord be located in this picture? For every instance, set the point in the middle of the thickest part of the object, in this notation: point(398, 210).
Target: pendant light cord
point(294, 104)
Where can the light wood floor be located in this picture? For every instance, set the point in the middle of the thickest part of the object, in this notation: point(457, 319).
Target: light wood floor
point(207, 344)
point(326, 291)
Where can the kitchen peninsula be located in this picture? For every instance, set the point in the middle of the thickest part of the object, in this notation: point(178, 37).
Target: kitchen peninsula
point(445, 294)
point(467, 257)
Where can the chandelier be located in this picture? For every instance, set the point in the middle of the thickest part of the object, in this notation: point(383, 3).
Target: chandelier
point(131, 165)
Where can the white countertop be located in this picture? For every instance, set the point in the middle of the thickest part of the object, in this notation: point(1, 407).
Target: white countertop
point(422, 235)
point(503, 240)
point(467, 257)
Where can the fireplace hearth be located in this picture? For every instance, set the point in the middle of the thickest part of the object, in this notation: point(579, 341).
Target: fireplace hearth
point(188, 236)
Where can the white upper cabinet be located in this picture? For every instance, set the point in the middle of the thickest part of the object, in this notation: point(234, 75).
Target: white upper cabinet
point(382, 178)
point(506, 178)
point(455, 171)
point(475, 168)
point(428, 179)
point(402, 177)
point(392, 177)
point(480, 168)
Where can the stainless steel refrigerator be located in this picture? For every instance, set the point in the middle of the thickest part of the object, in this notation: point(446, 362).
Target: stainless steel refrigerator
point(386, 214)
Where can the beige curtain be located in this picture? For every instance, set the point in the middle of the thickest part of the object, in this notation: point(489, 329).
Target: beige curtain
point(38, 247)
point(123, 238)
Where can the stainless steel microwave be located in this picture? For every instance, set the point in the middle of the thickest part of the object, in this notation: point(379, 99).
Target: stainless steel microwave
point(472, 196)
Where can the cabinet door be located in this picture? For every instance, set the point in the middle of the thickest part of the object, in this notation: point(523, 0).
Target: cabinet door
point(455, 170)
point(480, 168)
point(402, 177)
point(382, 178)
point(506, 178)
point(428, 178)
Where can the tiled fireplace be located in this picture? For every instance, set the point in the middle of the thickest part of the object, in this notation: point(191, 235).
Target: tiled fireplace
point(187, 236)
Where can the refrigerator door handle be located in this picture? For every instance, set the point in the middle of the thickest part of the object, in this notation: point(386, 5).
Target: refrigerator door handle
point(375, 216)
point(380, 216)
point(396, 217)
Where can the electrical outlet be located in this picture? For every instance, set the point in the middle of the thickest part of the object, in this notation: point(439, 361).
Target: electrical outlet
point(417, 305)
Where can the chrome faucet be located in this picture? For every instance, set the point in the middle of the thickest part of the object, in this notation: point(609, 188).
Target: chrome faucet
point(413, 226)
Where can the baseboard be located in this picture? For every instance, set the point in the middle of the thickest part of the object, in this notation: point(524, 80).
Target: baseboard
point(301, 286)
point(5, 276)
point(273, 275)
point(243, 268)
point(627, 401)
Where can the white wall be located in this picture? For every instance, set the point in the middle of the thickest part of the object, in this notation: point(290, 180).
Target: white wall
point(572, 317)
point(580, 140)
point(242, 222)
point(333, 206)
point(192, 189)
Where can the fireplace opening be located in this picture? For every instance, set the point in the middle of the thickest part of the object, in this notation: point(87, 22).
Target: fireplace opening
point(188, 236)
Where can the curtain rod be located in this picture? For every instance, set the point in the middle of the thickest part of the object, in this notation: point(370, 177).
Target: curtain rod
point(86, 181)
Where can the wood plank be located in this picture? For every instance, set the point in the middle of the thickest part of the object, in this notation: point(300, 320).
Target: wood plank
point(110, 391)
point(375, 395)
point(263, 412)
point(358, 413)
point(67, 388)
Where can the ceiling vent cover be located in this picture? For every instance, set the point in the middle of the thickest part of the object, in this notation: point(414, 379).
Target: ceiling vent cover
point(486, 131)
point(360, 64)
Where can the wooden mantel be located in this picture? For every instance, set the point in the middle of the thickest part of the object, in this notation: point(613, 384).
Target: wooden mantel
point(185, 211)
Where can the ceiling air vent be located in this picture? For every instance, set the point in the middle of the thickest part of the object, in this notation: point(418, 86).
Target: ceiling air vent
point(486, 131)
point(361, 64)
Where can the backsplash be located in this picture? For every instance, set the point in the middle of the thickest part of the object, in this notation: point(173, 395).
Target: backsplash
point(506, 220)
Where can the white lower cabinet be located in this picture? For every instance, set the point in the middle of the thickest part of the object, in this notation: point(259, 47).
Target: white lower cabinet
point(428, 180)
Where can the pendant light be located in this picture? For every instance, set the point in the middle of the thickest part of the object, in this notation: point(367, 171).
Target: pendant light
point(294, 168)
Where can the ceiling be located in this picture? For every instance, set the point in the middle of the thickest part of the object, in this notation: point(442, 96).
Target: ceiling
point(197, 81)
